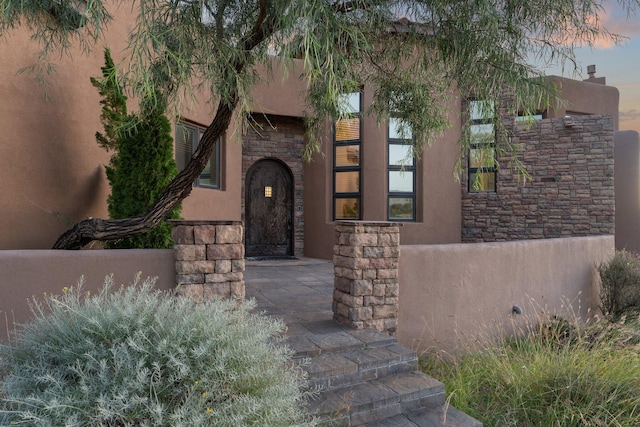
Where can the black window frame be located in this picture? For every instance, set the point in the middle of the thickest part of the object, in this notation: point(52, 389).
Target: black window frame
point(400, 168)
point(354, 168)
point(472, 171)
point(196, 132)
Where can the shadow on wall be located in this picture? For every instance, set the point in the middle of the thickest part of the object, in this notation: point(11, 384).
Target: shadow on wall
point(31, 273)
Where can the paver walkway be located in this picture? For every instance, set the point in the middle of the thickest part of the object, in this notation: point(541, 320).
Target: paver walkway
point(366, 378)
point(299, 291)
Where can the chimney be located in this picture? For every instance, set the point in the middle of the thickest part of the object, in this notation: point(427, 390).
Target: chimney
point(591, 71)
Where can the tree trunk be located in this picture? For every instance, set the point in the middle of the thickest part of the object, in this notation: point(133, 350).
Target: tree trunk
point(112, 229)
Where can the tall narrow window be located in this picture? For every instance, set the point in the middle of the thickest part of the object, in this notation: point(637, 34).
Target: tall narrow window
point(482, 152)
point(401, 172)
point(347, 160)
point(188, 137)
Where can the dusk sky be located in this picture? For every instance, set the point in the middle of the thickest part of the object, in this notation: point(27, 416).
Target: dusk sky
point(619, 64)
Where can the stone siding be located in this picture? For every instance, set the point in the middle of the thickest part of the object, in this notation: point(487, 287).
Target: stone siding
point(209, 257)
point(278, 138)
point(365, 260)
point(570, 161)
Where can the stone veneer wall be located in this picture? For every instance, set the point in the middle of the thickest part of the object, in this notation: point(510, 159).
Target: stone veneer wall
point(365, 262)
point(209, 258)
point(571, 193)
point(280, 138)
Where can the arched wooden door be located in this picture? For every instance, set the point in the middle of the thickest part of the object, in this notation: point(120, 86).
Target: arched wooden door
point(269, 210)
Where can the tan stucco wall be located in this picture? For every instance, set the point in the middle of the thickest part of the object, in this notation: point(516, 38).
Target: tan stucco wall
point(51, 168)
point(584, 97)
point(28, 273)
point(627, 188)
point(438, 211)
point(451, 295)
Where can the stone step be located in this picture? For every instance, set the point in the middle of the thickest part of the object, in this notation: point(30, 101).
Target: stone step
point(440, 416)
point(376, 400)
point(365, 378)
point(330, 371)
point(340, 340)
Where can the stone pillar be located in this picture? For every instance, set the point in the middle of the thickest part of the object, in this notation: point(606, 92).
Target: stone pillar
point(366, 287)
point(209, 259)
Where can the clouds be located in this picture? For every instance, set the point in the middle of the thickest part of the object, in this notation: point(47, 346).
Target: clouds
point(614, 19)
point(629, 115)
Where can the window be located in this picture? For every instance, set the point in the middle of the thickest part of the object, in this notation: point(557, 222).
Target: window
point(401, 172)
point(346, 160)
point(482, 151)
point(187, 138)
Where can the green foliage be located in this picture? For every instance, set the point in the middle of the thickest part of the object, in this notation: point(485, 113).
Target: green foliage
point(137, 357)
point(562, 375)
point(143, 163)
point(620, 284)
point(413, 52)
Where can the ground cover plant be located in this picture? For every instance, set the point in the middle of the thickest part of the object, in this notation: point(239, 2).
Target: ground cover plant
point(560, 374)
point(130, 356)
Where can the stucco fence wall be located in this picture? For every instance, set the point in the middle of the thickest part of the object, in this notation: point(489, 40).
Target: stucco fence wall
point(28, 273)
point(452, 296)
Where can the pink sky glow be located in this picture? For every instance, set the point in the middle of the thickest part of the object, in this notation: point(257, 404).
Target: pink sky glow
point(620, 64)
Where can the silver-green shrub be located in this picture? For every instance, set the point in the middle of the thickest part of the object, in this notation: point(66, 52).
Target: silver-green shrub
point(133, 356)
point(620, 284)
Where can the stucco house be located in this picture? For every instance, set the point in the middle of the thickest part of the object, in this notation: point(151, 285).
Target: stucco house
point(52, 171)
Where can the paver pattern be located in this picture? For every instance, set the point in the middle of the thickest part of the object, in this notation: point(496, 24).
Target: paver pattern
point(364, 377)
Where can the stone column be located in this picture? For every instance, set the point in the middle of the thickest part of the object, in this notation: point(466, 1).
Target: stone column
point(366, 287)
point(209, 259)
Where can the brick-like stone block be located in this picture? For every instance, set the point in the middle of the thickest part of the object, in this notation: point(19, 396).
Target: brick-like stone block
point(384, 263)
point(379, 289)
point(373, 252)
point(385, 311)
point(370, 274)
point(392, 289)
point(204, 234)
point(226, 234)
point(223, 266)
point(349, 262)
point(190, 252)
point(195, 267)
point(361, 287)
point(340, 309)
point(216, 290)
point(389, 239)
point(371, 300)
point(220, 278)
point(237, 290)
point(188, 279)
point(360, 313)
point(342, 284)
point(390, 301)
point(363, 240)
point(387, 273)
point(238, 265)
point(347, 299)
point(348, 273)
point(194, 292)
point(232, 252)
point(182, 234)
